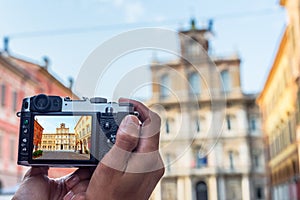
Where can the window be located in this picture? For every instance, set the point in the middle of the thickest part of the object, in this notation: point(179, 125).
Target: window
point(256, 160)
point(259, 193)
point(226, 80)
point(3, 95)
point(167, 126)
point(15, 100)
point(228, 122)
point(201, 161)
point(194, 83)
point(193, 48)
point(231, 159)
point(197, 123)
point(201, 191)
point(253, 125)
point(164, 86)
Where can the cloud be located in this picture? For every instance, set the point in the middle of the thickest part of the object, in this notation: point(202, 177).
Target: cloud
point(133, 11)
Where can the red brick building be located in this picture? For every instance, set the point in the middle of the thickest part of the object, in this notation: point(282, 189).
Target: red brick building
point(18, 79)
point(37, 135)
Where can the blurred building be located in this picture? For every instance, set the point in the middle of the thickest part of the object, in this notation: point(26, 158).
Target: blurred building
point(19, 78)
point(279, 102)
point(202, 163)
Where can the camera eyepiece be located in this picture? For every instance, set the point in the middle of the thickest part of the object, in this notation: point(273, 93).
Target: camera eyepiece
point(41, 103)
point(44, 103)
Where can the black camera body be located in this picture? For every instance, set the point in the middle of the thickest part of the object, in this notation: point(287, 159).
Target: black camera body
point(61, 132)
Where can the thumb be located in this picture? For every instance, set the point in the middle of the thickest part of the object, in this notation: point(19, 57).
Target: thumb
point(126, 141)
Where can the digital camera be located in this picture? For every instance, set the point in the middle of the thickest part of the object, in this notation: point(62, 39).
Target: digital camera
point(61, 132)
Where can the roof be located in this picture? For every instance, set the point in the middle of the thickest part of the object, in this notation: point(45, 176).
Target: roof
point(29, 69)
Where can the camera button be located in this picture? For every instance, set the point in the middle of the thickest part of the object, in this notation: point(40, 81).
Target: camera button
point(25, 130)
point(107, 125)
point(26, 122)
point(113, 138)
point(24, 149)
point(24, 140)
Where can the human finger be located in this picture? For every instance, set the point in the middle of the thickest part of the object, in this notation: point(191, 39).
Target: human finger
point(126, 141)
point(79, 188)
point(143, 110)
point(80, 196)
point(149, 135)
point(151, 123)
point(77, 176)
point(114, 163)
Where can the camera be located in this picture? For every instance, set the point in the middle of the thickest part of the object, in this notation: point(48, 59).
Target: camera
point(61, 132)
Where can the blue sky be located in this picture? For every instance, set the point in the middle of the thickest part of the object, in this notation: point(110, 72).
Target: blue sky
point(67, 31)
point(50, 123)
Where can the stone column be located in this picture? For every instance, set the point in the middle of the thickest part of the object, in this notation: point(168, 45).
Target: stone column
point(222, 189)
point(246, 187)
point(212, 188)
point(180, 188)
point(184, 188)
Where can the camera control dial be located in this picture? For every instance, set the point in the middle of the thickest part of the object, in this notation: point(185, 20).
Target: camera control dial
point(98, 100)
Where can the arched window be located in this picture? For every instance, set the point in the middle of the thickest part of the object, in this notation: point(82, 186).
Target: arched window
point(165, 86)
point(201, 191)
point(226, 80)
point(194, 83)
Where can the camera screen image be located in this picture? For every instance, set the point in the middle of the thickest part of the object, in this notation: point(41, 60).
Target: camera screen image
point(62, 137)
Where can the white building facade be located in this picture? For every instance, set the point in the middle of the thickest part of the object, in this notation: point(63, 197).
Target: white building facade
point(211, 140)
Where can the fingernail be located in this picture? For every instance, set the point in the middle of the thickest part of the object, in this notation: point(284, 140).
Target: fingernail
point(72, 180)
point(69, 195)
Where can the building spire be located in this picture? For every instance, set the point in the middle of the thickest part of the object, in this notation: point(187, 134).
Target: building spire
point(6, 43)
point(193, 24)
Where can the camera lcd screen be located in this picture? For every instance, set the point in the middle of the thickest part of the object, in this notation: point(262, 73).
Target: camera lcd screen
point(62, 137)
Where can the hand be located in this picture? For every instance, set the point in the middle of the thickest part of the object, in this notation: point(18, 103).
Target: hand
point(133, 167)
point(37, 185)
point(130, 170)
